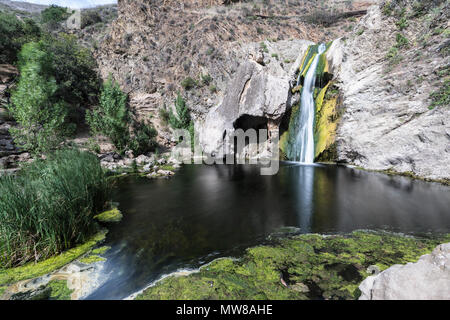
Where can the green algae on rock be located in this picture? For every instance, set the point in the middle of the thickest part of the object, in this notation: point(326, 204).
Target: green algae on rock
point(113, 215)
point(94, 255)
point(33, 270)
point(59, 290)
point(311, 267)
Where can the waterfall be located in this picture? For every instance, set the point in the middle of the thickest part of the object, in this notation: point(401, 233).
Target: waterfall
point(303, 148)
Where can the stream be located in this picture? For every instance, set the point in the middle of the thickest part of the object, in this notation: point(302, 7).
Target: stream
point(206, 212)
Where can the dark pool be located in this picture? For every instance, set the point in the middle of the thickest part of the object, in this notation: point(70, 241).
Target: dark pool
point(205, 212)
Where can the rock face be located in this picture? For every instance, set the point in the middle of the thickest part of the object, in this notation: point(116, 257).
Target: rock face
point(256, 98)
point(386, 88)
point(154, 46)
point(427, 279)
point(9, 153)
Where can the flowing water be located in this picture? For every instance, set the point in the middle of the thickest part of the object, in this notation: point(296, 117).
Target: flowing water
point(303, 148)
point(206, 212)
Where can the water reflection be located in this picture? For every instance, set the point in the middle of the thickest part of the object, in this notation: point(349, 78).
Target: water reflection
point(209, 211)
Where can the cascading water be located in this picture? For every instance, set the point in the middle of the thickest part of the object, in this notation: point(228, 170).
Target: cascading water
point(303, 147)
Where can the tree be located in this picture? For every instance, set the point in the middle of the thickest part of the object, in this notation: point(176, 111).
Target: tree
point(111, 117)
point(40, 114)
point(14, 33)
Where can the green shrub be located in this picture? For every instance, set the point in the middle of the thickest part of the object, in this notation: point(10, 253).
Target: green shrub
point(49, 206)
point(164, 115)
point(393, 56)
point(212, 88)
point(188, 83)
point(74, 69)
point(182, 119)
point(402, 23)
point(90, 18)
point(263, 47)
point(441, 97)
point(402, 41)
point(41, 114)
point(54, 15)
point(387, 8)
point(206, 79)
point(14, 33)
point(111, 118)
point(143, 139)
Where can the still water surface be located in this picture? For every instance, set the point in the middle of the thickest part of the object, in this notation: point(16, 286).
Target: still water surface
point(206, 212)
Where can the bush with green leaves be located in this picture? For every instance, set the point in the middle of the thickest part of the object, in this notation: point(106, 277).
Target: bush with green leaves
point(53, 16)
point(14, 33)
point(182, 119)
point(49, 206)
point(113, 120)
point(188, 83)
point(402, 41)
point(441, 97)
point(40, 113)
point(74, 70)
point(90, 17)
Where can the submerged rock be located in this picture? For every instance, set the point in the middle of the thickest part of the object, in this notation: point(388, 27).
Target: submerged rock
point(427, 279)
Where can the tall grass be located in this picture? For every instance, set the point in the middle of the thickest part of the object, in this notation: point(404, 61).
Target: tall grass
point(49, 206)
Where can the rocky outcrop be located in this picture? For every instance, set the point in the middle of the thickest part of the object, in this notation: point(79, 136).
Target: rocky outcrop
point(427, 279)
point(256, 98)
point(9, 153)
point(386, 83)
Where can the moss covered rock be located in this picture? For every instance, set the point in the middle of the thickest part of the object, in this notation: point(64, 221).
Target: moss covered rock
point(302, 267)
point(327, 114)
point(33, 270)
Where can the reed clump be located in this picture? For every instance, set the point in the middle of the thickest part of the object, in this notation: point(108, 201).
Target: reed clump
point(49, 206)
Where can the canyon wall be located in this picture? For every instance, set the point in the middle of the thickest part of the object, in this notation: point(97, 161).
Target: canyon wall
point(388, 83)
point(389, 69)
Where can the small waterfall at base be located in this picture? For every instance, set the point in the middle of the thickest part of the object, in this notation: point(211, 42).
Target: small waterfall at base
point(303, 148)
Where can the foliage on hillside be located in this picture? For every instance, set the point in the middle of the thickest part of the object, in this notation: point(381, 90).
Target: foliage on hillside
point(113, 119)
point(301, 268)
point(15, 33)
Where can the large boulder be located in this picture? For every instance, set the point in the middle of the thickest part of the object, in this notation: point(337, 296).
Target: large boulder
point(257, 97)
point(427, 279)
